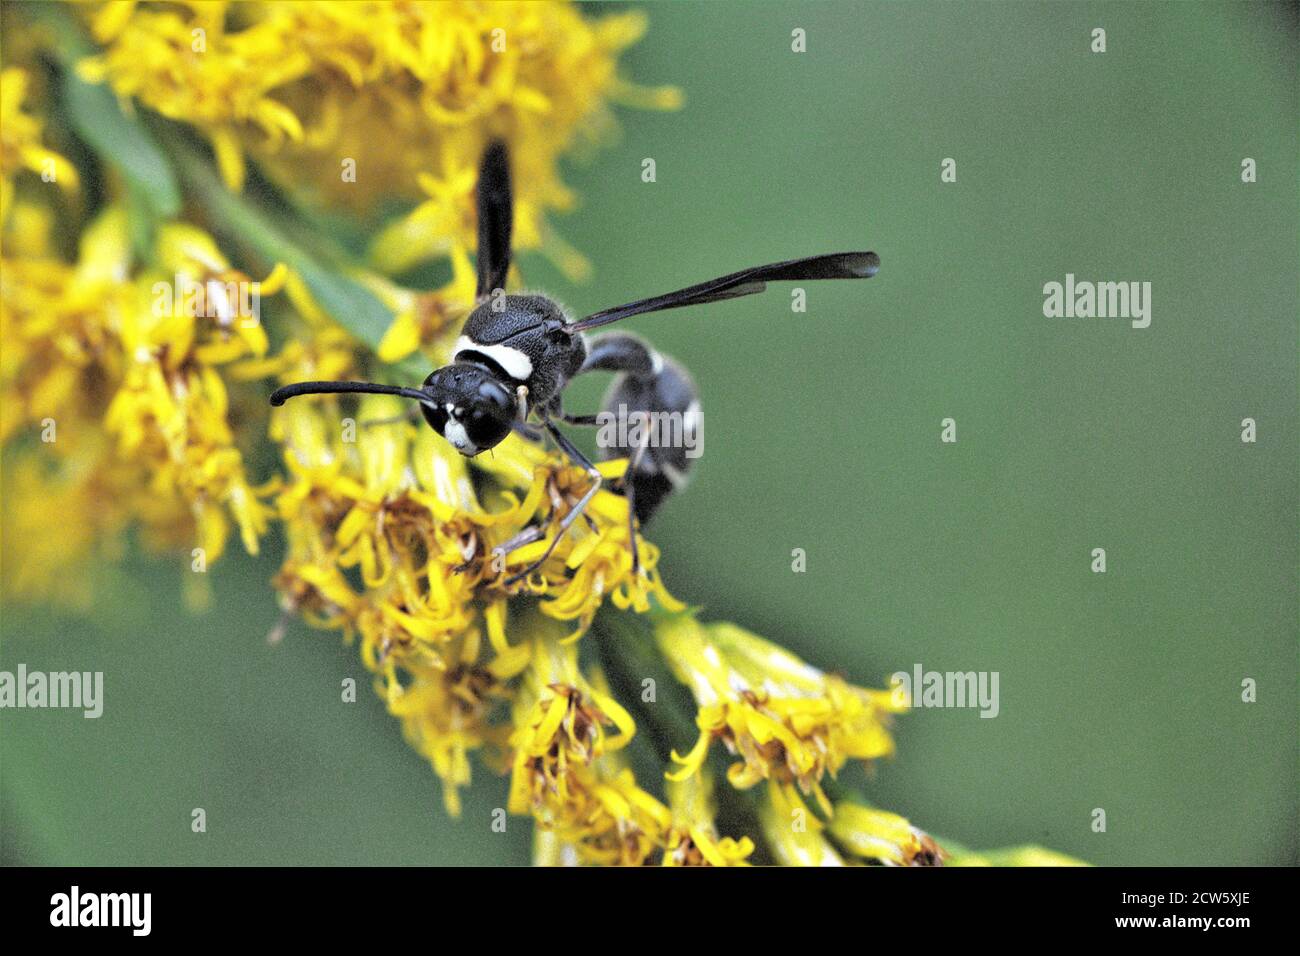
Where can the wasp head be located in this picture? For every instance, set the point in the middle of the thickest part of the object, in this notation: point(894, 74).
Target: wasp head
point(469, 407)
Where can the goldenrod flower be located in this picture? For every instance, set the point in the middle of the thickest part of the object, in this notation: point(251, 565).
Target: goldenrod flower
point(299, 85)
point(693, 838)
point(351, 500)
point(170, 412)
point(880, 837)
point(20, 143)
point(183, 63)
point(600, 560)
point(136, 357)
point(398, 504)
point(791, 835)
point(562, 725)
point(388, 539)
point(60, 366)
point(445, 716)
point(606, 845)
point(89, 497)
point(356, 102)
point(566, 768)
point(623, 829)
point(624, 825)
point(60, 360)
point(789, 722)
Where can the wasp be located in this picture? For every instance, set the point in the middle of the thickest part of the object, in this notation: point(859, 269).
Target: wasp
point(517, 352)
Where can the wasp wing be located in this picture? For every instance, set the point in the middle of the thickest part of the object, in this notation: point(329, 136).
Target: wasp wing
point(495, 219)
point(835, 265)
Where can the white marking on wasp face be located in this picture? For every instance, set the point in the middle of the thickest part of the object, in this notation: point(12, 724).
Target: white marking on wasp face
point(656, 363)
point(516, 364)
point(455, 433)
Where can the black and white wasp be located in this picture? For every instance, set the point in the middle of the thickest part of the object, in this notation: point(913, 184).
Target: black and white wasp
point(517, 352)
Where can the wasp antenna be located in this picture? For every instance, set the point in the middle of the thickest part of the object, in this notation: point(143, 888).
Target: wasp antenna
point(280, 395)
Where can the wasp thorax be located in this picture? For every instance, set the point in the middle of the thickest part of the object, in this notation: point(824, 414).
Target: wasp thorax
point(470, 408)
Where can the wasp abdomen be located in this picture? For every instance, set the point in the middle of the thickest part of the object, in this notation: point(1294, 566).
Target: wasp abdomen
point(651, 416)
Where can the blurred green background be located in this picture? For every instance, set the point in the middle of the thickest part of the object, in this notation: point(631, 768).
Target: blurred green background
point(1119, 691)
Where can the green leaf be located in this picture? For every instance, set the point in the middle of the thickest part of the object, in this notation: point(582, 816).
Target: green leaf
point(142, 222)
point(122, 142)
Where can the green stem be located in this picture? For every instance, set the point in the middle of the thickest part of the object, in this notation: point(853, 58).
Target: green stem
point(628, 655)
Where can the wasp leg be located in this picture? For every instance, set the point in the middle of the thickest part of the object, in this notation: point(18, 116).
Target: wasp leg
point(582, 461)
point(623, 484)
point(589, 420)
point(629, 492)
point(527, 536)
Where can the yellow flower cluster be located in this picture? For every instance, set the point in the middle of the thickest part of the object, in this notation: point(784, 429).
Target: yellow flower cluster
point(113, 371)
point(566, 771)
point(693, 839)
point(401, 94)
point(788, 722)
point(129, 359)
point(358, 102)
point(391, 538)
point(858, 835)
point(20, 142)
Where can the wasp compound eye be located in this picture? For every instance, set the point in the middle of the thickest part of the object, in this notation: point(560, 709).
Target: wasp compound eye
point(487, 425)
point(486, 412)
point(493, 395)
